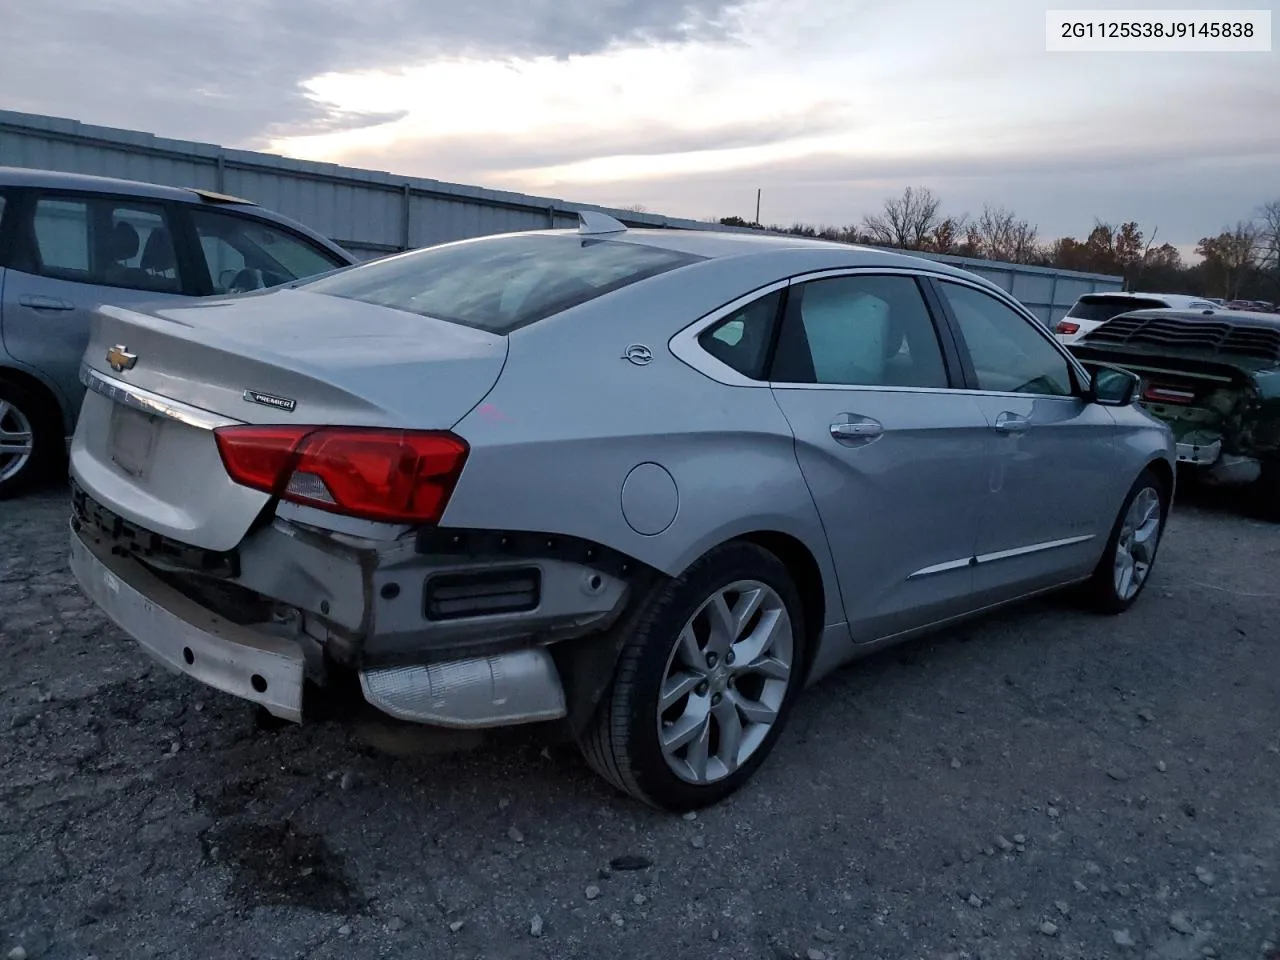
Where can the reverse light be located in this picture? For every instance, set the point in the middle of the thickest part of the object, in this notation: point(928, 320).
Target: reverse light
point(1067, 327)
point(394, 476)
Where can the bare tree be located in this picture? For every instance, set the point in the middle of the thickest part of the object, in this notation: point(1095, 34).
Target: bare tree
point(1232, 256)
point(1002, 235)
point(905, 221)
point(1269, 238)
point(948, 236)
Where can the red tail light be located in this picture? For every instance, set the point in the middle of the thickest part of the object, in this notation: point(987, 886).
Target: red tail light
point(1067, 327)
point(396, 476)
point(1159, 394)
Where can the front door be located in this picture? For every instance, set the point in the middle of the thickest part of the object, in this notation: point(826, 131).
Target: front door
point(1054, 460)
point(896, 459)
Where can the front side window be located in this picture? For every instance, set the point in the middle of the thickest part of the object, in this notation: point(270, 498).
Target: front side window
point(247, 254)
point(859, 331)
point(1009, 355)
point(105, 241)
point(501, 283)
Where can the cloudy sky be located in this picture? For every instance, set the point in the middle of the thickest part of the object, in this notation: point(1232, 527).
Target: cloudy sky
point(684, 106)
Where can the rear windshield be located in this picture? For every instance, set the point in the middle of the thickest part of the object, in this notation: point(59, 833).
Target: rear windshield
point(1101, 309)
point(501, 283)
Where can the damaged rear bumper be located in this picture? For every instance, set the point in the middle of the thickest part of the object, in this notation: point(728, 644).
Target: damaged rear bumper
point(188, 638)
point(516, 687)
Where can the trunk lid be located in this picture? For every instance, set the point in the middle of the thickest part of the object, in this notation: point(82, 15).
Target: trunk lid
point(144, 446)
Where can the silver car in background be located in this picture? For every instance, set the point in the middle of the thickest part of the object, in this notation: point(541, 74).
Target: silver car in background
point(70, 242)
point(645, 484)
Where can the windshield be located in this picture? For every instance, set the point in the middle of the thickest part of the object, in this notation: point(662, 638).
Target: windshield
point(1101, 309)
point(501, 283)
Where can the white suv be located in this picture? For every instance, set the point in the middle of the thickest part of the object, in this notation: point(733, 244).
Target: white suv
point(1094, 309)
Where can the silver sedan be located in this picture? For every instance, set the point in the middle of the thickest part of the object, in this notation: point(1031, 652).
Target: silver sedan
point(642, 486)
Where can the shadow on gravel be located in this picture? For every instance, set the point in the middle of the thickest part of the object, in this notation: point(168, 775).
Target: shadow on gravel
point(277, 865)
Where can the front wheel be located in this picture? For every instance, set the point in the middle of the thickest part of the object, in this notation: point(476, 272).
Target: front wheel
point(704, 683)
point(1130, 553)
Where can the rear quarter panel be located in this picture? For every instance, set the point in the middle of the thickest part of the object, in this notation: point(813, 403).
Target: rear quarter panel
point(555, 440)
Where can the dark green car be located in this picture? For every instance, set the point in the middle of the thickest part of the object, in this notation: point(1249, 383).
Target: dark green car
point(1214, 377)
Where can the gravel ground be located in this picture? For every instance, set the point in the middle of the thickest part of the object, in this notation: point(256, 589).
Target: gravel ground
point(1045, 784)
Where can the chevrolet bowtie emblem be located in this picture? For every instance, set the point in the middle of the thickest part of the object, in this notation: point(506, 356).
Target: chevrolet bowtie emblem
point(120, 358)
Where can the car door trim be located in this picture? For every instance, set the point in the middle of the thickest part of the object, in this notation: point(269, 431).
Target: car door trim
point(128, 395)
point(948, 567)
point(953, 565)
point(1031, 548)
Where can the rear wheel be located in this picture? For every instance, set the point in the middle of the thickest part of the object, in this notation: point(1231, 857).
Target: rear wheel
point(1126, 563)
point(27, 441)
point(704, 683)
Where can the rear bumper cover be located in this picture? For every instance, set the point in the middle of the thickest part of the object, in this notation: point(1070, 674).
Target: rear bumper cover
point(518, 687)
point(188, 638)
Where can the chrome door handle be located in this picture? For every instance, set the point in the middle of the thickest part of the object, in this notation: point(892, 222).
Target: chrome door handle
point(856, 430)
point(1012, 423)
point(38, 302)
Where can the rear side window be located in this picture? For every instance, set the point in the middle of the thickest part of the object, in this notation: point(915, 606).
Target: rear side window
point(117, 243)
point(742, 339)
point(1101, 309)
point(501, 283)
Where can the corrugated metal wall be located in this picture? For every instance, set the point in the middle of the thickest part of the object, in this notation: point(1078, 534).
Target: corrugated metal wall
point(370, 212)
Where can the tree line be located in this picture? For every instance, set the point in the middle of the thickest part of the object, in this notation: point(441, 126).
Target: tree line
point(1240, 262)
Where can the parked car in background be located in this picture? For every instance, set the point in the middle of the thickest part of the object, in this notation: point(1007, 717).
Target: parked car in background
point(647, 484)
point(1095, 308)
point(70, 242)
point(1215, 379)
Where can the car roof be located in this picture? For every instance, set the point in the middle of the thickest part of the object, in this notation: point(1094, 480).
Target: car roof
point(821, 254)
point(1173, 299)
point(57, 179)
point(86, 183)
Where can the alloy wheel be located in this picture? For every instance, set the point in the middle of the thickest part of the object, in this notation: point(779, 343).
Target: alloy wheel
point(1136, 545)
point(17, 440)
point(725, 681)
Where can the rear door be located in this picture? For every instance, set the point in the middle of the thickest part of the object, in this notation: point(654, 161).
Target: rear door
point(71, 252)
point(1054, 486)
point(895, 455)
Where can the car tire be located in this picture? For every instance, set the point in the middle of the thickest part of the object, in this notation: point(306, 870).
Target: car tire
point(1125, 567)
point(739, 604)
point(22, 414)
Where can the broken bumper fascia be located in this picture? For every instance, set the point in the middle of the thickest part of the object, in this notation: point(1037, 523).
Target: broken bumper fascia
point(188, 638)
point(1199, 454)
point(522, 686)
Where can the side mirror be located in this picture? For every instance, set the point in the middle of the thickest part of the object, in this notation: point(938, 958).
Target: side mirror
point(1113, 386)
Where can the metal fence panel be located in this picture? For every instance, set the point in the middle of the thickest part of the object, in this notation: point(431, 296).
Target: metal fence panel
point(372, 213)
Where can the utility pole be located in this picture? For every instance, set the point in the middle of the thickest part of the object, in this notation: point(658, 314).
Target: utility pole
point(757, 219)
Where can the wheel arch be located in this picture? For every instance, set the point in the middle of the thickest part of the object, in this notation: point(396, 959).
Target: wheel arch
point(42, 390)
point(806, 574)
point(587, 664)
point(1165, 473)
